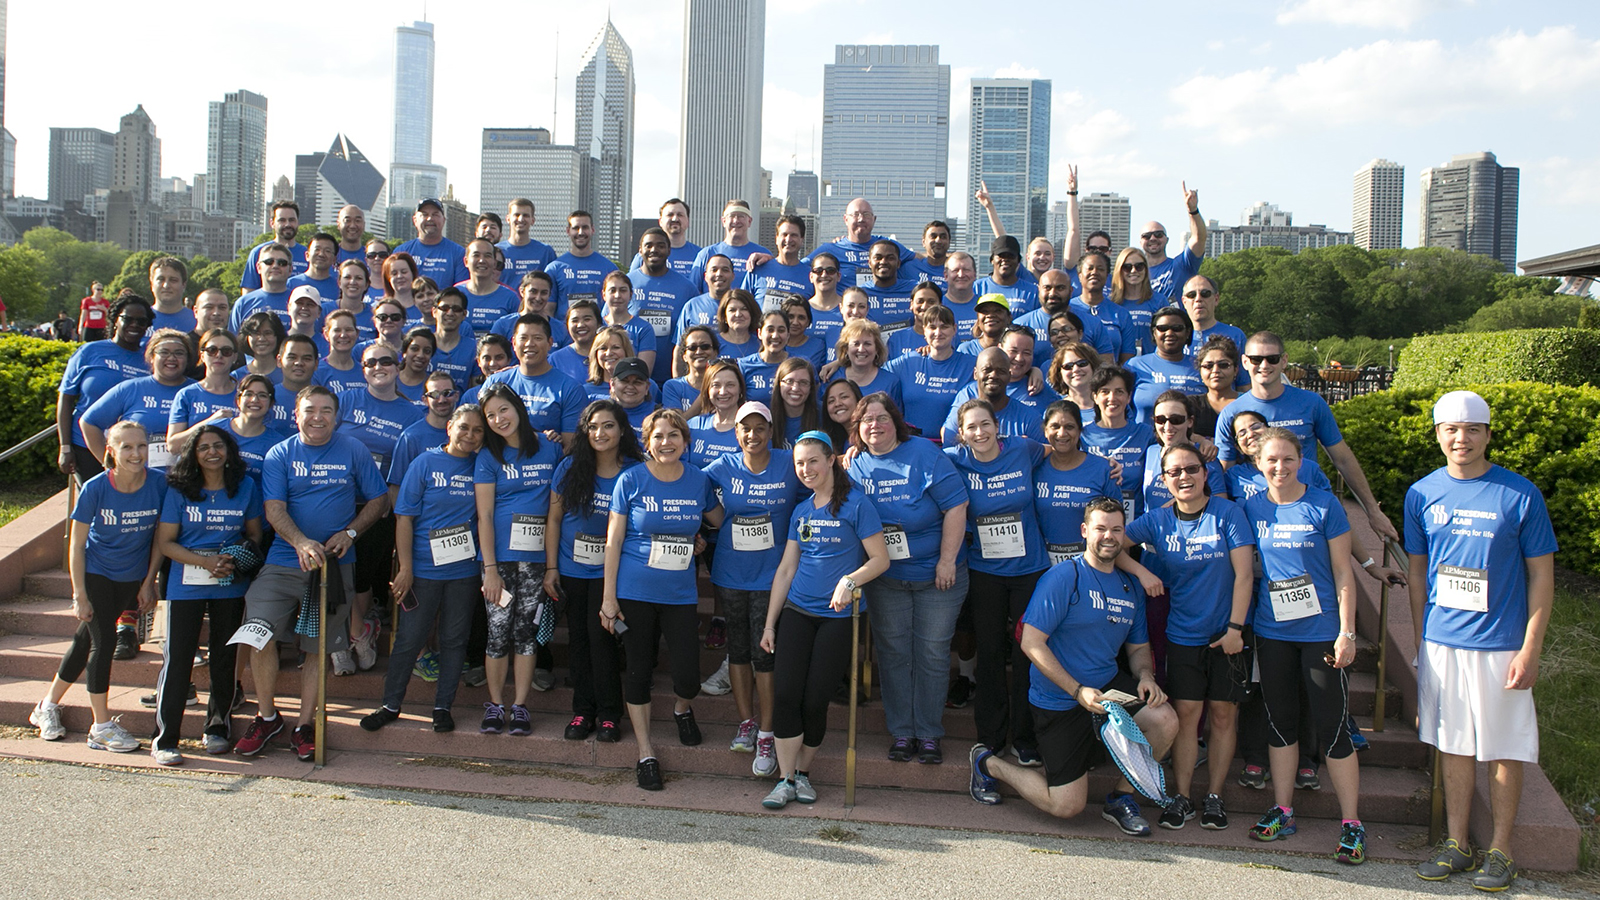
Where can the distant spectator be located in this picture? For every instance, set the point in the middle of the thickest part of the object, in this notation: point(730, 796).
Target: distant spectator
point(92, 313)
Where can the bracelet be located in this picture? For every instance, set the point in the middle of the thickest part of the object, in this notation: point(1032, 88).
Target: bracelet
point(1194, 212)
point(1369, 563)
point(1072, 193)
point(1236, 626)
point(1350, 635)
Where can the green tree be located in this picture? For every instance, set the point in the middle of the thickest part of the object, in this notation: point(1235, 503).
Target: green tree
point(70, 265)
point(1525, 311)
point(22, 284)
point(135, 274)
point(1422, 290)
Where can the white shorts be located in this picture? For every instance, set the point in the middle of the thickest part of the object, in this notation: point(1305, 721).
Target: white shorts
point(1464, 708)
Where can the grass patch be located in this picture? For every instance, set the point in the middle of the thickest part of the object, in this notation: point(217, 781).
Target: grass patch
point(838, 834)
point(16, 499)
point(1568, 697)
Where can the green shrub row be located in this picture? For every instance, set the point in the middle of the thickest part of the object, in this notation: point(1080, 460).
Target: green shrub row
point(30, 374)
point(1548, 355)
point(1544, 432)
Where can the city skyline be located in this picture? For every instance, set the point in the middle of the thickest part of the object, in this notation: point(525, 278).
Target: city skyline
point(1287, 76)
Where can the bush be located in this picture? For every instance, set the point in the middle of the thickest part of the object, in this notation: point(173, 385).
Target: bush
point(1350, 352)
point(1543, 432)
point(1550, 355)
point(1528, 312)
point(30, 374)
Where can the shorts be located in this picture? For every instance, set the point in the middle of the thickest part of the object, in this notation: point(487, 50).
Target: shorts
point(1206, 673)
point(275, 595)
point(1464, 708)
point(1068, 743)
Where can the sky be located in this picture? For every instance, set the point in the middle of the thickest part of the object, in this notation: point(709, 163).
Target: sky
point(1246, 101)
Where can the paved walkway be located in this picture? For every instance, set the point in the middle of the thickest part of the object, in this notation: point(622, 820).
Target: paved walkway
point(76, 832)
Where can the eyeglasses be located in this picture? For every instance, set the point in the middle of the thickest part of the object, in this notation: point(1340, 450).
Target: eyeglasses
point(1152, 235)
point(389, 317)
point(1203, 294)
point(274, 262)
point(1170, 420)
point(451, 309)
point(1062, 332)
point(1270, 359)
point(254, 395)
point(804, 383)
point(441, 395)
point(1133, 267)
point(825, 270)
point(375, 363)
point(218, 351)
point(1177, 471)
point(1217, 364)
point(171, 354)
point(378, 254)
point(1171, 327)
point(1071, 364)
point(1105, 249)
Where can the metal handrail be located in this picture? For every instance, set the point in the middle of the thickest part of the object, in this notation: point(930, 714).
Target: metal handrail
point(26, 444)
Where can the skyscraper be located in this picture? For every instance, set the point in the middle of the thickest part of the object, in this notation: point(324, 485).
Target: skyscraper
point(886, 134)
point(1470, 204)
point(1106, 212)
point(133, 210)
point(80, 163)
point(804, 191)
point(604, 138)
point(719, 139)
point(325, 183)
point(412, 174)
point(1267, 214)
point(1379, 205)
point(1010, 153)
point(522, 163)
point(236, 159)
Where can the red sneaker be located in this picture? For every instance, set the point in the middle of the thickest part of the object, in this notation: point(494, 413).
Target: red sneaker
point(256, 736)
point(303, 741)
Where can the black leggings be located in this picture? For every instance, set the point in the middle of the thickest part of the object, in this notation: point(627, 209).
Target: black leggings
point(811, 655)
point(1000, 708)
point(647, 624)
point(184, 618)
point(97, 638)
point(591, 651)
point(1285, 667)
point(85, 463)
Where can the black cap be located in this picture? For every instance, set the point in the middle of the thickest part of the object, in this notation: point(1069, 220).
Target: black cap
point(631, 365)
point(1004, 244)
point(440, 207)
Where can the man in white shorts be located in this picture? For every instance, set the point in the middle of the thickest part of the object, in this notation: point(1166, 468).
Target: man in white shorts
point(1482, 582)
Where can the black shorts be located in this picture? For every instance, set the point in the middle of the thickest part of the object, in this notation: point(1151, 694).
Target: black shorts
point(1067, 740)
point(1206, 673)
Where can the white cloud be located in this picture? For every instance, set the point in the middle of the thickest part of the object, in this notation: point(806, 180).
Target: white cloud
point(1016, 70)
point(1562, 181)
point(1400, 83)
point(1400, 14)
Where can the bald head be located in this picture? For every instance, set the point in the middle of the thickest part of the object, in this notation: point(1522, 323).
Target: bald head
point(859, 219)
point(1153, 239)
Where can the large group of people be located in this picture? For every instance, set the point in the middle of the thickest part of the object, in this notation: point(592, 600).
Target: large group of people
point(1074, 479)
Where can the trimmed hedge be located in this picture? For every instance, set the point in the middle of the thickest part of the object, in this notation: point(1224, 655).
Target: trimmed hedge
point(1548, 355)
point(1543, 432)
point(30, 374)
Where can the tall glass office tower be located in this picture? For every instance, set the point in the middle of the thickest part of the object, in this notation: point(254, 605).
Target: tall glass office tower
point(1009, 152)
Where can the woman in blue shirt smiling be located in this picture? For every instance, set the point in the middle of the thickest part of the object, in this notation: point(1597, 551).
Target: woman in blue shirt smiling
point(1066, 481)
point(147, 400)
point(1117, 437)
point(93, 369)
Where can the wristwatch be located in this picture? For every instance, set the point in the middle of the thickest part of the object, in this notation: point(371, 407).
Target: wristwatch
point(351, 533)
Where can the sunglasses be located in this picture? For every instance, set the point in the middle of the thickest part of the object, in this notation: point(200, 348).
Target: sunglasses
point(451, 309)
point(1069, 365)
point(218, 351)
point(1153, 235)
point(1170, 420)
point(1203, 294)
point(825, 270)
point(440, 395)
point(1178, 471)
point(378, 254)
point(1133, 267)
point(1217, 364)
point(375, 363)
point(1270, 359)
point(274, 262)
point(698, 348)
point(1170, 327)
point(389, 317)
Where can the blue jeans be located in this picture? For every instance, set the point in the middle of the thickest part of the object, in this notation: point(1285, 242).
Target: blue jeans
point(451, 605)
point(912, 623)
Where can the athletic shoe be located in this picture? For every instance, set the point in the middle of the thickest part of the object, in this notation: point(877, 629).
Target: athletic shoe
point(902, 749)
point(494, 719)
point(238, 696)
point(303, 741)
point(543, 680)
point(960, 693)
point(1274, 825)
point(766, 761)
point(579, 728)
point(127, 643)
point(1450, 860)
point(717, 633)
point(475, 677)
point(982, 787)
point(928, 752)
point(260, 731)
point(343, 662)
point(688, 729)
point(521, 722)
point(1178, 814)
point(1306, 779)
point(48, 719)
point(1497, 873)
point(608, 732)
point(112, 736)
point(1352, 844)
point(744, 741)
point(378, 718)
point(1357, 739)
point(217, 744)
point(166, 757)
point(427, 667)
point(1254, 777)
point(803, 791)
point(149, 700)
point(365, 646)
point(1212, 813)
point(443, 721)
point(1122, 810)
point(718, 684)
point(1026, 756)
point(648, 772)
point(781, 795)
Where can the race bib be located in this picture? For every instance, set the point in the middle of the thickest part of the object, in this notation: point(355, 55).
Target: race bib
point(1128, 499)
point(253, 633)
point(589, 549)
point(893, 327)
point(453, 544)
point(752, 532)
point(894, 537)
point(1459, 588)
point(1060, 553)
point(670, 552)
point(776, 298)
point(660, 321)
point(1000, 536)
point(198, 575)
point(527, 533)
point(864, 277)
point(377, 459)
point(159, 457)
point(1293, 598)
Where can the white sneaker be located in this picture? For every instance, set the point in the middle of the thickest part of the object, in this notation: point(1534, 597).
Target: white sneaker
point(166, 757)
point(49, 721)
point(718, 684)
point(365, 647)
point(112, 736)
point(343, 662)
point(766, 761)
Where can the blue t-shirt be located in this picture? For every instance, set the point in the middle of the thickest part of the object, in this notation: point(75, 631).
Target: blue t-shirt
point(521, 499)
point(1115, 321)
point(1297, 409)
point(377, 424)
point(530, 257)
point(1295, 598)
point(1023, 296)
point(1140, 313)
point(253, 450)
point(700, 309)
point(250, 278)
point(183, 320)
point(1003, 534)
point(855, 258)
point(1094, 334)
point(912, 487)
point(679, 394)
point(1193, 555)
point(416, 438)
point(813, 350)
point(1168, 277)
point(484, 310)
point(750, 541)
point(327, 288)
point(577, 277)
point(706, 443)
point(923, 270)
point(760, 377)
point(554, 400)
point(1242, 378)
point(1060, 498)
point(1126, 445)
point(194, 403)
point(928, 387)
point(205, 526)
point(444, 262)
point(1245, 480)
point(364, 330)
point(825, 326)
point(438, 494)
point(830, 548)
point(583, 537)
point(890, 306)
point(679, 259)
point(883, 380)
point(340, 380)
point(121, 526)
point(259, 300)
point(1022, 416)
point(1154, 488)
point(1155, 376)
point(772, 283)
point(321, 486)
point(736, 255)
point(657, 563)
point(461, 361)
point(570, 363)
point(143, 400)
point(1477, 534)
point(1087, 615)
point(732, 349)
point(657, 301)
point(93, 369)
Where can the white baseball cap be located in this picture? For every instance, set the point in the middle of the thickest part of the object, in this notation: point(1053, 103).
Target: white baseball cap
point(1461, 406)
point(305, 290)
point(753, 408)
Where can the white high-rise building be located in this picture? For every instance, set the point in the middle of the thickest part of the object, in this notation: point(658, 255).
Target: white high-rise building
point(604, 139)
point(1111, 213)
point(1010, 153)
point(1379, 205)
point(522, 163)
point(1266, 214)
point(412, 174)
point(719, 138)
point(236, 159)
